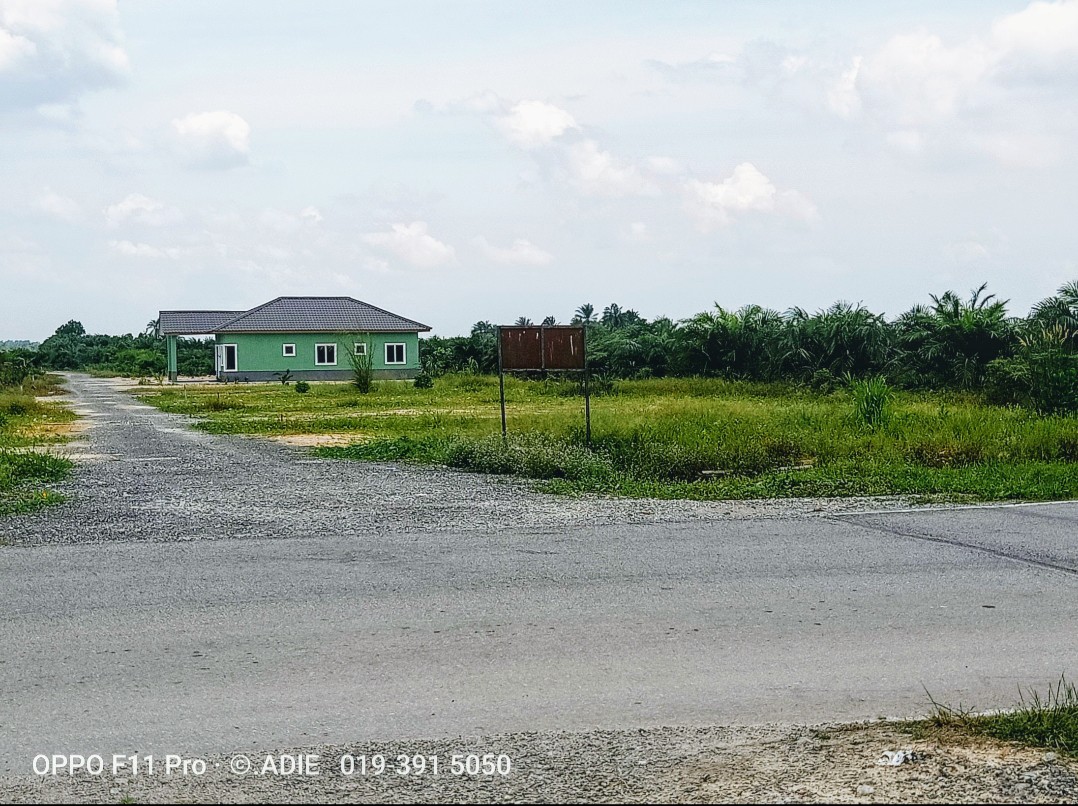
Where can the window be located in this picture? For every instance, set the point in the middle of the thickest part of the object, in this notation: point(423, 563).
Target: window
point(359, 348)
point(325, 355)
point(395, 354)
point(228, 358)
point(289, 351)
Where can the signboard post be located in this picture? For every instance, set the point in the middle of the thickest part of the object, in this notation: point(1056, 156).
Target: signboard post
point(541, 348)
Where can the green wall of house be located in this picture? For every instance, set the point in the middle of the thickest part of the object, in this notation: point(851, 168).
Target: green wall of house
point(264, 352)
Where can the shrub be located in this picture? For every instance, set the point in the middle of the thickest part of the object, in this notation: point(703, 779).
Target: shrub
point(1043, 376)
point(424, 380)
point(1007, 382)
point(872, 402)
point(530, 455)
point(303, 387)
point(362, 364)
point(221, 405)
point(824, 381)
point(1052, 369)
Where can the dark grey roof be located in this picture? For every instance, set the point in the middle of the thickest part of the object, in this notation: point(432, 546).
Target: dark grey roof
point(190, 323)
point(318, 315)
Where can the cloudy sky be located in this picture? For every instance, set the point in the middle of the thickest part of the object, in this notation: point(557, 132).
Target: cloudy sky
point(463, 161)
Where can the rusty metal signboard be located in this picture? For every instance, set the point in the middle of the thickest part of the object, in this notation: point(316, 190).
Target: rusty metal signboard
point(554, 347)
point(521, 347)
point(543, 347)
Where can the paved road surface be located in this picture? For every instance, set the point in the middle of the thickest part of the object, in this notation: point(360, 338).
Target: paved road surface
point(197, 646)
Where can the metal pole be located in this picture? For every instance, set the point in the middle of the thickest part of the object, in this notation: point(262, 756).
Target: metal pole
point(587, 394)
point(501, 382)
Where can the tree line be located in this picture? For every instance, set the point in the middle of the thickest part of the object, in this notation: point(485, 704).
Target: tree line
point(954, 342)
point(137, 355)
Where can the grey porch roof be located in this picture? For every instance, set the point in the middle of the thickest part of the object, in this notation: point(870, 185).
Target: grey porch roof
point(316, 315)
point(190, 323)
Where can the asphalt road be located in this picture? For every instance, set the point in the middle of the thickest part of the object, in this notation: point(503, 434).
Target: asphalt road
point(127, 644)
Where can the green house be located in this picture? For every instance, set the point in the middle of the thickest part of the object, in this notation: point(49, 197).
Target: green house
point(312, 338)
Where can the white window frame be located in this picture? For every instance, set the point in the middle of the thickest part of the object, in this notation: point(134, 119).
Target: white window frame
point(288, 350)
point(404, 352)
point(359, 348)
point(332, 363)
point(235, 358)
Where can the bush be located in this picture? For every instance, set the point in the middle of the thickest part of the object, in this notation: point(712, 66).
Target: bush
point(1043, 376)
point(1007, 382)
point(872, 402)
point(824, 381)
point(529, 455)
point(424, 380)
point(221, 405)
point(303, 387)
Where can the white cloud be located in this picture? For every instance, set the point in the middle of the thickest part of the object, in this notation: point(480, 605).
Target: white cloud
point(58, 206)
point(520, 253)
point(842, 97)
point(916, 79)
point(531, 124)
point(54, 50)
point(412, 244)
point(978, 94)
point(664, 166)
point(134, 249)
point(14, 49)
point(1044, 30)
point(311, 214)
point(968, 251)
point(139, 209)
point(638, 232)
point(218, 139)
point(595, 172)
point(714, 204)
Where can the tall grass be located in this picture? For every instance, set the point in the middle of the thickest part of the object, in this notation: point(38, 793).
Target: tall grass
point(1049, 720)
point(872, 402)
point(699, 438)
point(25, 470)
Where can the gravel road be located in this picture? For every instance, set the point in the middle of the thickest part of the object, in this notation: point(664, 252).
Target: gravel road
point(147, 475)
point(206, 595)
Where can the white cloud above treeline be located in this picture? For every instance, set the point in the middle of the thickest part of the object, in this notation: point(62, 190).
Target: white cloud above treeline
point(413, 244)
point(521, 252)
point(52, 51)
point(220, 139)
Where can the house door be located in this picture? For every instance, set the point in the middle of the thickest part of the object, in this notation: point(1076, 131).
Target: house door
point(226, 358)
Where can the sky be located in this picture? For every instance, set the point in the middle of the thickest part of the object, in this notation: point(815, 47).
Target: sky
point(464, 161)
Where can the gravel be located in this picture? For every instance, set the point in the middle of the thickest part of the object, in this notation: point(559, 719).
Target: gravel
point(145, 475)
point(768, 764)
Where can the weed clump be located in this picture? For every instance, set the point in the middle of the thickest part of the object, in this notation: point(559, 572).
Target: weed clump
point(1049, 721)
point(872, 402)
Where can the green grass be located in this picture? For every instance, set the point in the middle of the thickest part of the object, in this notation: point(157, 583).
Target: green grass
point(27, 426)
point(1049, 721)
point(673, 438)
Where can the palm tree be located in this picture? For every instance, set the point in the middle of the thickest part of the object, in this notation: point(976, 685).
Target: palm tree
point(612, 316)
point(585, 313)
point(952, 341)
point(523, 321)
point(483, 328)
point(550, 321)
point(1061, 309)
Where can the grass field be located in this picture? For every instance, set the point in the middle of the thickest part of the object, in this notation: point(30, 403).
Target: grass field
point(27, 425)
point(672, 438)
